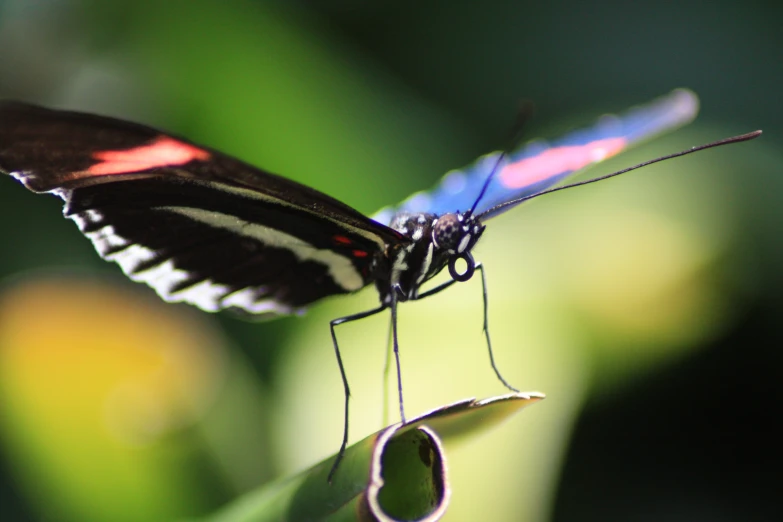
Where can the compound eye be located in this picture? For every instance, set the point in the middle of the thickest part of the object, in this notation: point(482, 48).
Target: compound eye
point(470, 267)
point(447, 232)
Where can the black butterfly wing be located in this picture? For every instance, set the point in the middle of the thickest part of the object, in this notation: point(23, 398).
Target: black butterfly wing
point(194, 224)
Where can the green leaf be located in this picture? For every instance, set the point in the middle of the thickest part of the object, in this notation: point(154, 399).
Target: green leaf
point(398, 473)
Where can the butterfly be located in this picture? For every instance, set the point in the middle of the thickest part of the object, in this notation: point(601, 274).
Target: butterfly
point(203, 228)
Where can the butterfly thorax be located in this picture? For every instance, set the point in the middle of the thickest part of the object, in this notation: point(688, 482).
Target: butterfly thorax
point(436, 241)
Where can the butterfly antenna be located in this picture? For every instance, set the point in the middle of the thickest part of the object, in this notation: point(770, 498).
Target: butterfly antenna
point(524, 115)
point(719, 143)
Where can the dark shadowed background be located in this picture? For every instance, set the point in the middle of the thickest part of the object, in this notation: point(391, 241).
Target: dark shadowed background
point(647, 308)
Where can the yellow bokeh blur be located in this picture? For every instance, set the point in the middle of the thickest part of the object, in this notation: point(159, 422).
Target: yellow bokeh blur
point(103, 392)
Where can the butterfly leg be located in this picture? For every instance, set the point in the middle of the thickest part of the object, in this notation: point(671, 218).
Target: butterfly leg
point(447, 284)
point(393, 305)
point(332, 324)
point(435, 290)
point(480, 268)
point(386, 367)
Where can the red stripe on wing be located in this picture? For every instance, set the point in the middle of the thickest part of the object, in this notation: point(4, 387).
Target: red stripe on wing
point(163, 152)
point(558, 160)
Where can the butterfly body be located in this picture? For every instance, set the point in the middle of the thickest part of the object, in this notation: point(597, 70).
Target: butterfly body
point(435, 241)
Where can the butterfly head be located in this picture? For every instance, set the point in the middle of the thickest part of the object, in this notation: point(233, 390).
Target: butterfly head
point(456, 234)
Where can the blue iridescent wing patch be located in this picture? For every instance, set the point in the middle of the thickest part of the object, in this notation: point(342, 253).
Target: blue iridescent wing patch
point(539, 165)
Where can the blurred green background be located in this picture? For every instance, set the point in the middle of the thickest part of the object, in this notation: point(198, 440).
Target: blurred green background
point(647, 308)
